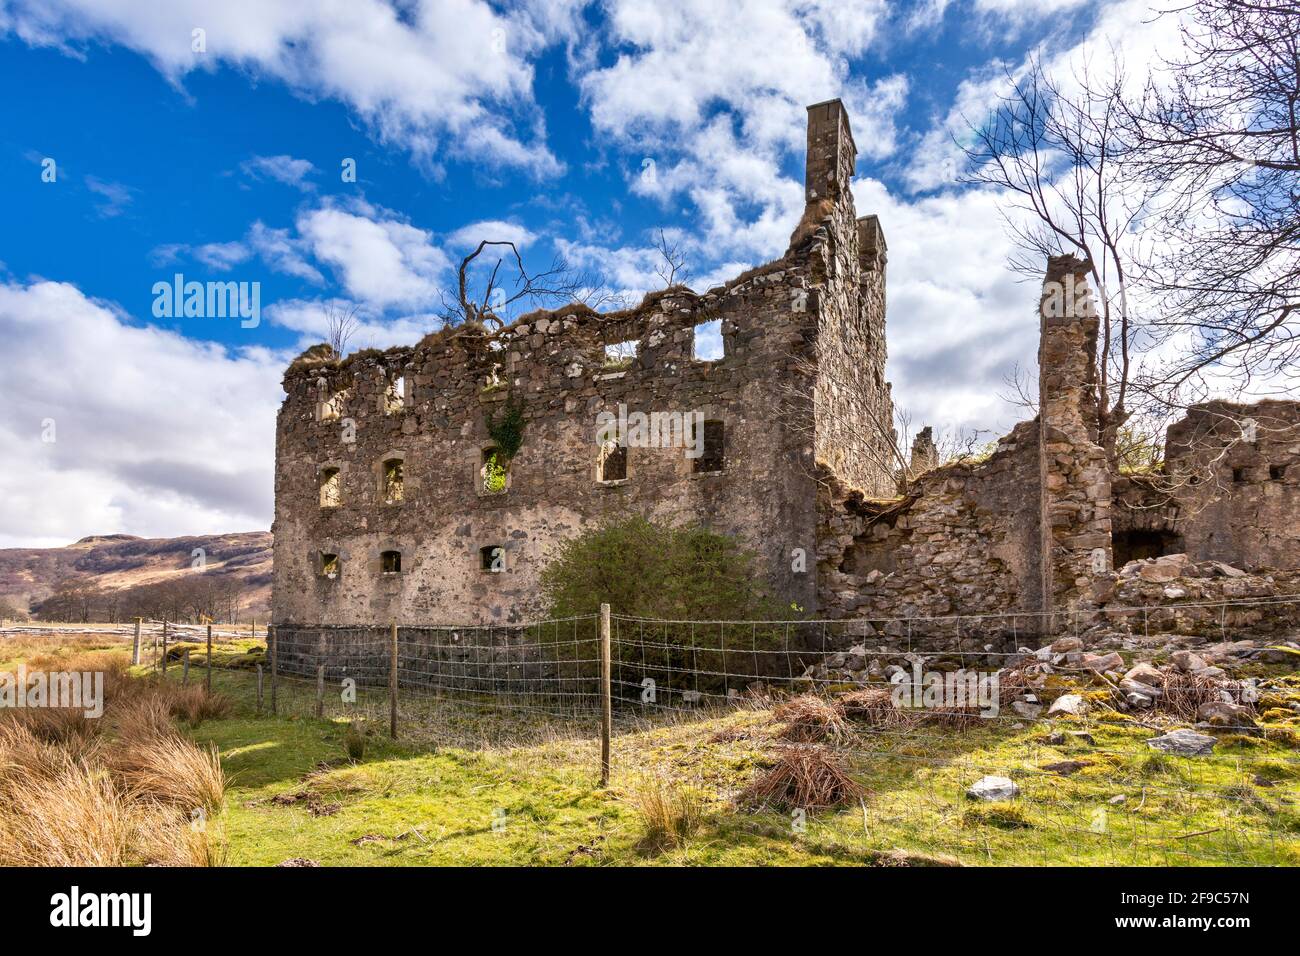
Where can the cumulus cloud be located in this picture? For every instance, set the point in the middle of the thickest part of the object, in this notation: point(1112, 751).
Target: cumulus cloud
point(497, 230)
point(378, 258)
point(121, 403)
point(716, 111)
point(452, 75)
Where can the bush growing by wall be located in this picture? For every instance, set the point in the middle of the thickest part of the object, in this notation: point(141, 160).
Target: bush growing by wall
point(659, 572)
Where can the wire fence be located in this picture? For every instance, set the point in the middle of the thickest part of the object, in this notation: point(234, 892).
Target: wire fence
point(1092, 789)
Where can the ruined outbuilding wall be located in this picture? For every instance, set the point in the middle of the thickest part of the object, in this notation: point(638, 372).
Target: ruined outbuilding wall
point(1074, 473)
point(1230, 489)
point(1025, 532)
point(776, 322)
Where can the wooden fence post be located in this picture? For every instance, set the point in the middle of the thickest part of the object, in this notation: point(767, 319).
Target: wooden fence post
point(135, 644)
point(259, 689)
point(185, 667)
point(320, 691)
point(392, 682)
point(606, 704)
point(164, 648)
point(273, 641)
point(208, 678)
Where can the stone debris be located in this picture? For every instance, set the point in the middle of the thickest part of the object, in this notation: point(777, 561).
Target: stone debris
point(992, 788)
point(1183, 743)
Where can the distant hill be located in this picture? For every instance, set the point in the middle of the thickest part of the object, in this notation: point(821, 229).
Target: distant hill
point(119, 575)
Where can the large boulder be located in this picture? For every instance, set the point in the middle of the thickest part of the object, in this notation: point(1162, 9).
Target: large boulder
point(1183, 743)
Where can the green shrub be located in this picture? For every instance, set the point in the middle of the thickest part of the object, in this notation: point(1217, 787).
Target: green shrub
point(670, 576)
point(652, 570)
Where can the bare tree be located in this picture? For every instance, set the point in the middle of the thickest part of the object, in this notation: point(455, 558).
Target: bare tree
point(341, 324)
point(500, 291)
point(1058, 155)
point(1217, 132)
point(672, 268)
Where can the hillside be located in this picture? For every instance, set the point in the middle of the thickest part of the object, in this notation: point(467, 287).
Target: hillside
point(111, 575)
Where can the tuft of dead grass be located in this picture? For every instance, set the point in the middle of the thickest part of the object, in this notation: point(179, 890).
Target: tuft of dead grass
point(810, 718)
point(75, 818)
point(811, 778)
point(872, 705)
point(171, 769)
point(671, 812)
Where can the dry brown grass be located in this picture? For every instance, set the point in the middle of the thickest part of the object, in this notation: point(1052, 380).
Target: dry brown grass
point(75, 818)
point(872, 705)
point(111, 791)
point(170, 769)
point(811, 778)
point(194, 704)
point(671, 812)
point(1183, 694)
point(810, 718)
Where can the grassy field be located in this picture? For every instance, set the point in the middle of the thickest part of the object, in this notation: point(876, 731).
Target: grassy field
point(475, 785)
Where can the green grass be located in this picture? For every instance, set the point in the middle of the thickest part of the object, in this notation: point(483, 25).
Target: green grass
point(433, 797)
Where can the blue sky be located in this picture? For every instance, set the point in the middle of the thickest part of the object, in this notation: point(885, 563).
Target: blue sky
point(577, 129)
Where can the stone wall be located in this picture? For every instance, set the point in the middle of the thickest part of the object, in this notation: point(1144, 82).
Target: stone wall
point(1230, 489)
point(964, 541)
point(1075, 479)
point(854, 413)
point(350, 416)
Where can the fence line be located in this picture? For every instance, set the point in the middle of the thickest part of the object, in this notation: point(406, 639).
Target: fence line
point(591, 673)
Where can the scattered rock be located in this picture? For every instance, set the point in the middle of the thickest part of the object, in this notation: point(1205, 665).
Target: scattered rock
point(1164, 568)
point(1219, 713)
point(1100, 663)
point(1069, 704)
point(298, 861)
point(1026, 709)
point(1183, 743)
point(1145, 673)
point(1187, 661)
point(993, 788)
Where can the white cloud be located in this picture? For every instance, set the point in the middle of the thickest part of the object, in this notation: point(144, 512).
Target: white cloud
point(713, 97)
point(222, 256)
point(467, 237)
point(378, 258)
point(124, 401)
point(281, 169)
point(449, 75)
point(958, 321)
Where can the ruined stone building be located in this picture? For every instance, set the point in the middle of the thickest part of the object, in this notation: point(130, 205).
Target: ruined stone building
point(395, 502)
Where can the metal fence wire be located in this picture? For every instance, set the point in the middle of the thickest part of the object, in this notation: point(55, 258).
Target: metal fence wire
point(919, 763)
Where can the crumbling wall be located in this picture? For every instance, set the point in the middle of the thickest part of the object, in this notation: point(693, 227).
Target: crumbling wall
point(1229, 490)
point(964, 541)
point(1075, 480)
point(777, 322)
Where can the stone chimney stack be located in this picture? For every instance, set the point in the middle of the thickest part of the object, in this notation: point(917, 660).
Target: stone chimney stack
point(832, 154)
point(1075, 481)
